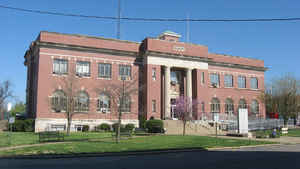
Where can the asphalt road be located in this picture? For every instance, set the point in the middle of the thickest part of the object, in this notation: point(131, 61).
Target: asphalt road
point(273, 157)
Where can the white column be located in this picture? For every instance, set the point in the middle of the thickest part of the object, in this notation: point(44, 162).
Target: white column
point(189, 86)
point(167, 92)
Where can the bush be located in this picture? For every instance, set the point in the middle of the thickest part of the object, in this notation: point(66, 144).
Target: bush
point(155, 126)
point(115, 127)
point(23, 125)
point(85, 128)
point(104, 127)
point(129, 127)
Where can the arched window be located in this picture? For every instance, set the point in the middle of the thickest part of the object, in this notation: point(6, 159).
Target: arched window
point(58, 101)
point(215, 105)
point(82, 102)
point(242, 104)
point(254, 106)
point(229, 106)
point(126, 107)
point(103, 103)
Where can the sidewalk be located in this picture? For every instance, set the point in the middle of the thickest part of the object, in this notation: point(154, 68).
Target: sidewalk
point(281, 140)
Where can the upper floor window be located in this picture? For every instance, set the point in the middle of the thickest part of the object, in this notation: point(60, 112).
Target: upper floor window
point(103, 103)
point(104, 70)
point(153, 73)
point(202, 78)
point(241, 82)
point(60, 66)
point(202, 107)
point(254, 83)
point(83, 68)
point(215, 105)
point(228, 81)
point(175, 77)
point(214, 80)
point(125, 70)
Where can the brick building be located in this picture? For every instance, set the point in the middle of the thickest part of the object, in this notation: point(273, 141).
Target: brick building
point(165, 68)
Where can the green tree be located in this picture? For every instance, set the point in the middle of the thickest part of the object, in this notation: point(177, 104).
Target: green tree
point(19, 107)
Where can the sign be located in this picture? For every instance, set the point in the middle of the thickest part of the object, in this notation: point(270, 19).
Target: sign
point(9, 106)
point(243, 121)
point(179, 48)
point(11, 120)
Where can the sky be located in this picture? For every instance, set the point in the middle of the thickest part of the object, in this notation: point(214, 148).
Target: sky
point(277, 43)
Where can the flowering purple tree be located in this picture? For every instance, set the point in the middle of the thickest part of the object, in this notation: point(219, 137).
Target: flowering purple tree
point(183, 109)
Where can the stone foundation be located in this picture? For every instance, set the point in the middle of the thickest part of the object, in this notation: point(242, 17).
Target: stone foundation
point(52, 124)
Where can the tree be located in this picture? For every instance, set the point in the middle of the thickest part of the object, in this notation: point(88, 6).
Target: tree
point(283, 97)
point(184, 107)
point(120, 96)
point(68, 98)
point(19, 107)
point(5, 94)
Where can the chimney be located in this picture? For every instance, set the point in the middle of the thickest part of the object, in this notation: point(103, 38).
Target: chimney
point(169, 36)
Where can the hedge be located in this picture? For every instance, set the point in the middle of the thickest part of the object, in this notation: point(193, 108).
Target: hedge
point(23, 125)
point(155, 126)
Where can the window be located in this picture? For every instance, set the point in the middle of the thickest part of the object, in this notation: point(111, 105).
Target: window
point(58, 101)
point(153, 105)
point(242, 82)
point(202, 78)
point(153, 73)
point(60, 66)
point(254, 83)
point(229, 106)
point(254, 106)
point(215, 105)
point(175, 77)
point(82, 102)
point(125, 70)
point(83, 68)
point(104, 70)
point(126, 105)
point(228, 81)
point(242, 104)
point(103, 103)
point(202, 107)
point(214, 80)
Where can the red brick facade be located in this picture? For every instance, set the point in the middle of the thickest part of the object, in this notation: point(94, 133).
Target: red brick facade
point(144, 59)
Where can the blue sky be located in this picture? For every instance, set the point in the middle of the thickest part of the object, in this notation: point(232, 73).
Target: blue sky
point(277, 43)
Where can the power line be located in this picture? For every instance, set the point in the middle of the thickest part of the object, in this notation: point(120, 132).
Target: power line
point(148, 19)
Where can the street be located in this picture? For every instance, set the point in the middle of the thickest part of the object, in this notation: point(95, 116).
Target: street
point(253, 158)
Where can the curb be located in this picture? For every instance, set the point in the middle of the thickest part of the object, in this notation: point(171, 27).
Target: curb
point(127, 153)
point(108, 154)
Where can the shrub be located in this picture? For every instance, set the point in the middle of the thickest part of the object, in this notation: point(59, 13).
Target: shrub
point(129, 127)
point(155, 126)
point(85, 128)
point(104, 127)
point(115, 127)
point(23, 125)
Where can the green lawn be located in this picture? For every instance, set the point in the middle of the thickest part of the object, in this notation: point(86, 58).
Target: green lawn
point(95, 145)
point(23, 138)
point(294, 133)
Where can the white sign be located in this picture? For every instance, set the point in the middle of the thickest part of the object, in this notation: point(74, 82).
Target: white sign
point(9, 106)
point(243, 121)
point(11, 120)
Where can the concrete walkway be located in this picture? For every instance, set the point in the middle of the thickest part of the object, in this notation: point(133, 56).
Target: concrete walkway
point(281, 140)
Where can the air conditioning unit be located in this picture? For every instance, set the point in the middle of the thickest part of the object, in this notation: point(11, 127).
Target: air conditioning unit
point(103, 110)
point(214, 85)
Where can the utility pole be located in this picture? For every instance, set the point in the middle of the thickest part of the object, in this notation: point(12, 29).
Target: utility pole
point(119, 20)
point(187, 28)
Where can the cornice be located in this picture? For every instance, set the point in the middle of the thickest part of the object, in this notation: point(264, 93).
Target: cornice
point(203, 59)
point(85, 49)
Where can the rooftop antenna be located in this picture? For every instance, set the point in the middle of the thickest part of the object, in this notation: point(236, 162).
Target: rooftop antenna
point(119, 20)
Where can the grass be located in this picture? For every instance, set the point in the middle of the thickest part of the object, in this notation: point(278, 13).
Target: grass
point(294, 133)
point(135, 144)
point(24, 138)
